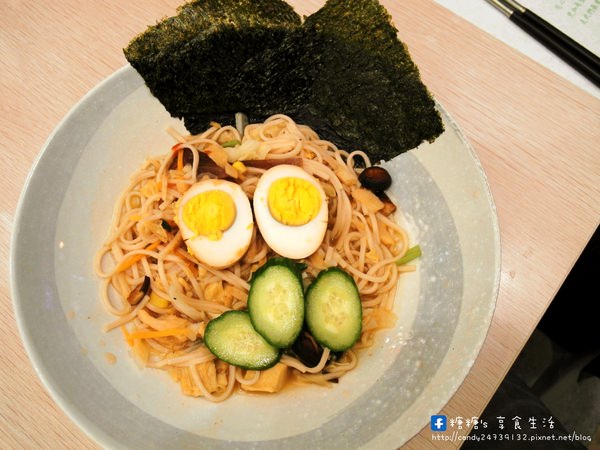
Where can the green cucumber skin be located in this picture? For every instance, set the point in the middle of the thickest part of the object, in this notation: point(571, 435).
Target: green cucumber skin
point(295, 267)
point(218, 326)
point(320, 284)
point(257, 300)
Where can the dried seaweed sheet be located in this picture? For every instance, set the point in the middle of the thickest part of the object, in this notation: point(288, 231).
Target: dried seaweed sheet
point(343, 71)
point(369, 93)
point(189, 61)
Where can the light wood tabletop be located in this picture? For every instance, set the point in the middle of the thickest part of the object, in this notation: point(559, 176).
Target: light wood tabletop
point(537, 136)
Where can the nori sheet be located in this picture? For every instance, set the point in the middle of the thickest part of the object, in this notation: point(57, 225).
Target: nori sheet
point(369, 93)
point(343, 71)
point(189, 61)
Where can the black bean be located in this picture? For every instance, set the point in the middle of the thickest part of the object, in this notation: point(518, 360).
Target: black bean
point(375, 178)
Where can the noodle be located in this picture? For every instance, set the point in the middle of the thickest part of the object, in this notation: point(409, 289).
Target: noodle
point(166, 328)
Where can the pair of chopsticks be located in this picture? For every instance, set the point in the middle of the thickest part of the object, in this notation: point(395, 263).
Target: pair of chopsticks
point(574, 54)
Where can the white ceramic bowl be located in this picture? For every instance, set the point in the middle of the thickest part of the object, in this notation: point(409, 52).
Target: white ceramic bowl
point(444, 308)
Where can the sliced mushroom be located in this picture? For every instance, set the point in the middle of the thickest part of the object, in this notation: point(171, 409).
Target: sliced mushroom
point(139, 292)
point(268, 163)
point(307, 350)
point(368, 199)
point(388, 205)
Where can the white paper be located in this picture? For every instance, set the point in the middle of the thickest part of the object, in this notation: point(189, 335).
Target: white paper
point(579, 19)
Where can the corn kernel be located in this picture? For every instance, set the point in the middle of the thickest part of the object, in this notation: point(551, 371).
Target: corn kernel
point(308, 154)
point(136, 202)
point(239, 166)
point(158, 301)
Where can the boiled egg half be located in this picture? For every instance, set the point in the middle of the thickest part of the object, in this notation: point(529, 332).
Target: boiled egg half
point(291, 211)
point(216, 223)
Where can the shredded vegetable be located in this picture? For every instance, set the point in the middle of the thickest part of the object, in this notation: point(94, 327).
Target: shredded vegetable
point(127, 263)
point(412, 254)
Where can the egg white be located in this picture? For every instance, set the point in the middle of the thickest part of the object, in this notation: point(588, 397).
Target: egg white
point(235, 240)
point(291, 241)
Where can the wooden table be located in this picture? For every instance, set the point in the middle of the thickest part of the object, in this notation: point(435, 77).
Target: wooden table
point(538, 138)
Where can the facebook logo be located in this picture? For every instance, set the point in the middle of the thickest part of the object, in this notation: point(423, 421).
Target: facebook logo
point(438, 423)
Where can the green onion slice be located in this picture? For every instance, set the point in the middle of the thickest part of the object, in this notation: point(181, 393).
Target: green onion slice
point(412, 254)
point(232, 143)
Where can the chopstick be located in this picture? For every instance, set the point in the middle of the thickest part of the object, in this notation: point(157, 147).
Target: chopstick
point(574, 54)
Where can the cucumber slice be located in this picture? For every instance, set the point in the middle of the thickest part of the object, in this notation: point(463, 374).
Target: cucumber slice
point(231, 338)
point(276, 301)
point(334, 310)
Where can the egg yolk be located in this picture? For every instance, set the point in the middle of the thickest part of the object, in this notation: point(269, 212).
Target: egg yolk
point(209, 214)
point(293, 201)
